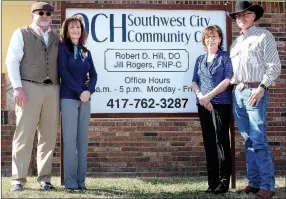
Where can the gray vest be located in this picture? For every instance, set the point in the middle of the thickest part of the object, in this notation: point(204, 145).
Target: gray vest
point(39, 61)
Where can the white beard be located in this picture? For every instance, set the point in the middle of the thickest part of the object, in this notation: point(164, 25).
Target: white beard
point(44, 23)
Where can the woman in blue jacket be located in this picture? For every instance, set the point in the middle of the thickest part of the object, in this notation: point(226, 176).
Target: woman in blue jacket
point(212, 74)
point(75, 66)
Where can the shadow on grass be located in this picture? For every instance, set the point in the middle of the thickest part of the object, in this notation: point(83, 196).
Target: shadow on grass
point(112, 192)
point(174, 181)
point(139, 194)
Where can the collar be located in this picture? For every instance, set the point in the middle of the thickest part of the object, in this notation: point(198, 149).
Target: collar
point(217, 52)
point(33, 25)
point(249, 31)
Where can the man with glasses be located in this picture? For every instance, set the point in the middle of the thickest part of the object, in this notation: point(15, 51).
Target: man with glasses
point(256, 66)
point(32, 69)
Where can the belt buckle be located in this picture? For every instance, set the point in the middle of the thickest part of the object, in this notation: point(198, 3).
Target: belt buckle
point(47, 82)
point(240, 86)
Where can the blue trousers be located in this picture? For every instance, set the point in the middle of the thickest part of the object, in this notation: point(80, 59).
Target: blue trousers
point(251, 122)
point(75, 123)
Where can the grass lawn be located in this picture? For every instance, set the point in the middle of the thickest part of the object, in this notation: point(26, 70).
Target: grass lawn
point(134, 188)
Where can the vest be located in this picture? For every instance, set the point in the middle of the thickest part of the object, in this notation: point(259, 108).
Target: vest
point(39, 61)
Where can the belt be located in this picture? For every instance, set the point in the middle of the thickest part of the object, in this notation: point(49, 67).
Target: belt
point(242, 85)
point(45, 82)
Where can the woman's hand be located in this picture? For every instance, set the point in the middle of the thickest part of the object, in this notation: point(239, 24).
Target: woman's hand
point(205, 99)
point(209, 106)
point(85, 95)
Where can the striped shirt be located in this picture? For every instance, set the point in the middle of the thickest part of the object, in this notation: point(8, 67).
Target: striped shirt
point(255, 57)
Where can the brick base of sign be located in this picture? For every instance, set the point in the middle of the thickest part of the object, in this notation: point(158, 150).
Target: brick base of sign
point(145, 147)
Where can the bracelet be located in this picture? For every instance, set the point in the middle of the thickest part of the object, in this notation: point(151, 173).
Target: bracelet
point(197, 92)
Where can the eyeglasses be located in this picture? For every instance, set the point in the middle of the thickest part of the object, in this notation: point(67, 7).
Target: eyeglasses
point(48, 13)
point(212, 37)
point(243, 15)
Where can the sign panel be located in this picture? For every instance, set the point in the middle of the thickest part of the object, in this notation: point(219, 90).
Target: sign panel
point(145, 58)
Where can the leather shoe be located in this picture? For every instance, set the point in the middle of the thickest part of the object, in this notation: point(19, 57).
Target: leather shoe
point(221, 189)
point(72, 190)
point(17, 188)
point(247, 190)
point(264, 194)
point(46, 186)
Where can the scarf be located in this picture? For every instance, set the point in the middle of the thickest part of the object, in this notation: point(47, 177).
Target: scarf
point(78, 52)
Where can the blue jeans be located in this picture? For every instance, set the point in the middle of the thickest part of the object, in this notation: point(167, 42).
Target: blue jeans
point(251, 122)
point(75, 122)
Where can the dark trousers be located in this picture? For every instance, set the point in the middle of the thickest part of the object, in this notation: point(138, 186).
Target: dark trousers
point(217, 171)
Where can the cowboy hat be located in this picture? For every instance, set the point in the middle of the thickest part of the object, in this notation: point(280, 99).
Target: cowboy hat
point(241, 6)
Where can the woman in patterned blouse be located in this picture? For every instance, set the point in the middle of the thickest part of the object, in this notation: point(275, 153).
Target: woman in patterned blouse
point(212, 74)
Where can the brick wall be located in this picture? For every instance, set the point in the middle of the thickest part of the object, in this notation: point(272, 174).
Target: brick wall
point(3, 90)
point(168, 146)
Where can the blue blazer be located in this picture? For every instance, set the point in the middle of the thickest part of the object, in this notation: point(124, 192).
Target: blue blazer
point(74, 73)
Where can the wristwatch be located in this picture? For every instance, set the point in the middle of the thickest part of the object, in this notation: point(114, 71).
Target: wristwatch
point(263, 86)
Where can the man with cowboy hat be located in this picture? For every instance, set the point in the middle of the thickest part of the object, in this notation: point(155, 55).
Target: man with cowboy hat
point(32, 69)
point(256, 66)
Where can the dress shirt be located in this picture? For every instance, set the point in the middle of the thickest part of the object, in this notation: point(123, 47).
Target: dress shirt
point(255, 57)
point(15, 54)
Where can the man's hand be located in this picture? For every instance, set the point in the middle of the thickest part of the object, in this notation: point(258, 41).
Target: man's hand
point(256, 96)
point(87, 80)
point(86, 83)
point(20, 98)
point(85, 95)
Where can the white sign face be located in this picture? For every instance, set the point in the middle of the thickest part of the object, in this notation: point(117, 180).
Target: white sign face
point(145, 58)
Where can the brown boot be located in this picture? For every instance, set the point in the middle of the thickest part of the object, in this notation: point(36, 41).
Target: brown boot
point(248, 190)
point(264, 194)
